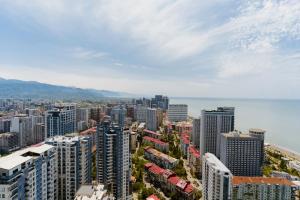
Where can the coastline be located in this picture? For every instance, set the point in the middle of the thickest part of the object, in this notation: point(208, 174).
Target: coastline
point(286, 152)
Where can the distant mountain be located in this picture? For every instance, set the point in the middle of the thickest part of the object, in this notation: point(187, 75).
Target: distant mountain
point(10, 88)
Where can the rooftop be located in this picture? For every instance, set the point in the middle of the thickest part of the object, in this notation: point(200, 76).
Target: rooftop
point(237, 180)
point(11, 161)
point(90, 192)
point(194, 151)
point(160, 154)
point(152, 132)
point(150, 139)
point(152, 197)
point(213, 160)
point(17, 158)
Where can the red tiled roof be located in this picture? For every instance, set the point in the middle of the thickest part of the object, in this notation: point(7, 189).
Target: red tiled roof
point(152, 197)
point(150, 139)
point(173, 180)
point(181, 184)
point(194, 151)
point(152, 132)
point(189, 188)
point(168, 173)
point(156, 169)
point(185, 138)
point(237, 180)
point(148, 165)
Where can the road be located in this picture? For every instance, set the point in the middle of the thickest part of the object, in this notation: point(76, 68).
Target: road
point(190, 177)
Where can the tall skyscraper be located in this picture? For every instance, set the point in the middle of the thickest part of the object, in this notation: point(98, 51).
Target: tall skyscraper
point(4, 125)
point(29, 174)
point(74, 164)
point(113, 159)
point(216, 179)
point(242, 153)
point(118, 115)
point(151, 119)
point(196, 132)
point(177, 112)
point(141, 113)
point(160, 101)
point(22, 124)
point(61, 120)
point(213, 123)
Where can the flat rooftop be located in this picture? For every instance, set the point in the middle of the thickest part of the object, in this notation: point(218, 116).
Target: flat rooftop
point(15, 159)
point(237, 180)
point(11, 161)
point(212, 159)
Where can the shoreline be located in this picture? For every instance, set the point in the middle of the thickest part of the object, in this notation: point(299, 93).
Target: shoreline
point(287, 152)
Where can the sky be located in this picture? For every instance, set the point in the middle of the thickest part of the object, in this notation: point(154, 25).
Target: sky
point(188, 48)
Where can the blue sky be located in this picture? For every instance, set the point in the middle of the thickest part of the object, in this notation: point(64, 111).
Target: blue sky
point(215, 48)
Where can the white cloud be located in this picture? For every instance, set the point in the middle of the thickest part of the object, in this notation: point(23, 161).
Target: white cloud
point(248, 42)
point(87, 54)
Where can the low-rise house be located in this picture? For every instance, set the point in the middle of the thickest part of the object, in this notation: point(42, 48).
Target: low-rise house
point(160, 158)
point(158, 144)
point(194, 160)
point(152, 197)
point(184, 143)
point(152, 134)
point(169, 182)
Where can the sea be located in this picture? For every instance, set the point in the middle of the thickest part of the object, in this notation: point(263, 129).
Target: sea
point(279, 118)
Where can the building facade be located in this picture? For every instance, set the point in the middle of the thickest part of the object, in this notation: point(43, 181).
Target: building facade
point(113, 159)
point(22, 125)
point(74, 164)
point(177, 112)
point(196, 132)
point(151, 119)
point(8, 142)
point(61, 120)
point(213, 123)
point(141, 113)
point(216, 179)
point(242, 153)
point(29, 174)
point(262, 188)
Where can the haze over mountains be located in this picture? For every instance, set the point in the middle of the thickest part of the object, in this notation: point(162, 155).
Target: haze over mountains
point(11, 88)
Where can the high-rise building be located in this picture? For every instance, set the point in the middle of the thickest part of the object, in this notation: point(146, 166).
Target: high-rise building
point(141, 113)
point(177, 112)
point(96, 113)
point(8, 142)
point(113, 159)
point(83, 114)
point(160, 101)
point(118, 115)
point(74, 164)
point(242, 153)
point(261, 188)
point(216, 179)
point(29, 174)
point(196, 132)
point(61, 120)
point(38, 133)
point(213, 123)
point(151, 119)
point(4, 125)
point(22, 124)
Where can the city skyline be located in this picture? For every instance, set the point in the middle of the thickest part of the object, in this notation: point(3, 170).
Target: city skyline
point(213, 49)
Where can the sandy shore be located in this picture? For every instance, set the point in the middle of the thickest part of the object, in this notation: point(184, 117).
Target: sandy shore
point(284, 151)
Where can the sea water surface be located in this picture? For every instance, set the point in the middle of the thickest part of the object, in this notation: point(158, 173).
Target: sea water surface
point(280, 118)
